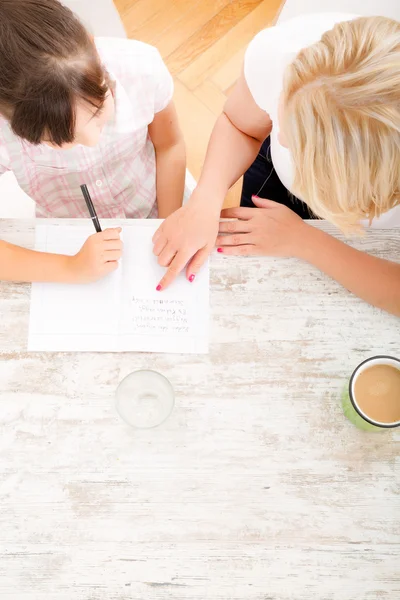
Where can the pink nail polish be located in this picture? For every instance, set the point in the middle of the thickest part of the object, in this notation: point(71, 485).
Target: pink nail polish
point(192, 278)
point(220, 250)
point(254, 196)
point(158, 288)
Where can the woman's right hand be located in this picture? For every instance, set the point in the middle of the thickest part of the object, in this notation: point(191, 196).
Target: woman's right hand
point(98, 256)
point(187, 237)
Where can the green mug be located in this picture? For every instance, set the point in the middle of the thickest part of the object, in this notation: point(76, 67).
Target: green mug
point(350, 405)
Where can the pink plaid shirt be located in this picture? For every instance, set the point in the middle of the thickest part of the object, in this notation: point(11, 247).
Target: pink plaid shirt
point(121, 171)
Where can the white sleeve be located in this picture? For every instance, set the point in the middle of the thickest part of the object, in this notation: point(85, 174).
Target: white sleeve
point(164, 84)
point(263, 68)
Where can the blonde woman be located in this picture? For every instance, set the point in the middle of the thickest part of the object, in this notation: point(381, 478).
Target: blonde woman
point(324, 92)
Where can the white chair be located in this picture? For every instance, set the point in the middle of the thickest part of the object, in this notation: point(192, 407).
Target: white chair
point(100, 16)
point(190, 184)
point(14, 203)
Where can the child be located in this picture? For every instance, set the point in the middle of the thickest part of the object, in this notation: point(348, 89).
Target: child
point(74, 110)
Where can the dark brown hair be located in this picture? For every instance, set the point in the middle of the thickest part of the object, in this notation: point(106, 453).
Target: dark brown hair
point(48, 61)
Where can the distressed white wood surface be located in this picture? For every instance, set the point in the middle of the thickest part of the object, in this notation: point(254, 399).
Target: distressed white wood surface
point(257, 488)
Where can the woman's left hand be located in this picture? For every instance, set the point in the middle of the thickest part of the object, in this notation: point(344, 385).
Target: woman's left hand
point(272, 229)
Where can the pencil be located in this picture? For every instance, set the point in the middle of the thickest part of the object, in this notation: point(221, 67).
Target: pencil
point(91, 208)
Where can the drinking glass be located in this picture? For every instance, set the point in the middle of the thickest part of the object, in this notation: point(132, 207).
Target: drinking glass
point(145, 399)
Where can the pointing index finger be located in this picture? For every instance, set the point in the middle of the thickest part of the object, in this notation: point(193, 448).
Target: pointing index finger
point(176, 266)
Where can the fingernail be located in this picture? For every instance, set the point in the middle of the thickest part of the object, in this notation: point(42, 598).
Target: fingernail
point(159, 288)
point(192, 278)
point(255, 197)
point(220, 250)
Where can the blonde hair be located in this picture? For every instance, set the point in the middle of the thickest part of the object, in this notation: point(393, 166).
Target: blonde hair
point(341, 103)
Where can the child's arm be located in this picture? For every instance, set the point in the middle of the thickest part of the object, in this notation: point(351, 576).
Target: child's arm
point(170, 160)
point(98, 257)
point(275, 230)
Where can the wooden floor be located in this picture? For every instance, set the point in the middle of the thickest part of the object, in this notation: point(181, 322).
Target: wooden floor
point(202, 43)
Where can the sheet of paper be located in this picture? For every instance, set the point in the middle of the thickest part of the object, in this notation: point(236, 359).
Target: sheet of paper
point(72, 317)
point(174, 320)
point(122, 312)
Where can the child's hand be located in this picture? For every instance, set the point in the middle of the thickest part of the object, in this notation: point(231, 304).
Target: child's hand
point(98, 256)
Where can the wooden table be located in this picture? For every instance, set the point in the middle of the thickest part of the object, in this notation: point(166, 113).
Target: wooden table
point(257, 488)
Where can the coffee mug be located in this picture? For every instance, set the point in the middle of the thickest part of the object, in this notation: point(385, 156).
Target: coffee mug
point(353, 407)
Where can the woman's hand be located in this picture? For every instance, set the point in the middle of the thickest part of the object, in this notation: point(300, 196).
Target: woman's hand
point(187, 237)
point(271, 229)
point(98, 256)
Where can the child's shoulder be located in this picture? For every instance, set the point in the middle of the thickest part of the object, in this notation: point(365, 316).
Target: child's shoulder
point(121, 55)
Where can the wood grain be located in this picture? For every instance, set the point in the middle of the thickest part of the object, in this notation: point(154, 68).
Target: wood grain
point(216, 28)
point(197, 122)
point(140, 11)
point(191, 23)
point(214, 56)
point(123, 6)
point(202, 43)
point(227, 75)
point(212, 96)
point(256, 488)
point(165, 17)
